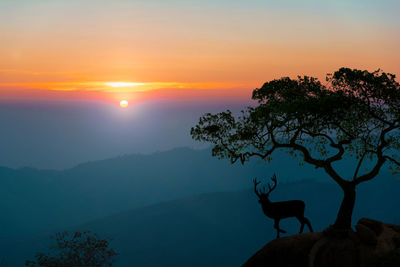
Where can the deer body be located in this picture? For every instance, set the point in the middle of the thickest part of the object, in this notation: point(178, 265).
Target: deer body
point(281, 210)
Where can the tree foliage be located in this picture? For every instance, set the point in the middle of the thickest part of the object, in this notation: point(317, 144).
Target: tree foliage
point(357, 114)
point(81, 249)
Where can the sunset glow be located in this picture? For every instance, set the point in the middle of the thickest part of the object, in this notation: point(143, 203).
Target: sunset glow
point(183, 50)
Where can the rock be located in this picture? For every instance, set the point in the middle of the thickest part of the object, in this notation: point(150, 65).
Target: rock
point(285, 252)
point(394, 227)
point(330, 251)
point(366, 235)
point(387, 240)
point(374, 225)
point(396, 241)
point(375, 244)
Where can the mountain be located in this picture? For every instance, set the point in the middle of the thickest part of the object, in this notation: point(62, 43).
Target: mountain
point(218, 229)
point(49, 199)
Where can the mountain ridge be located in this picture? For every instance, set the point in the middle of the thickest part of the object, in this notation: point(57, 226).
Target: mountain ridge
point(227, 227)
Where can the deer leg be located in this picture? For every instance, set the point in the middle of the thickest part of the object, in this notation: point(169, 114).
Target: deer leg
point(276, 226)
point(308, 224)
point(302, 221)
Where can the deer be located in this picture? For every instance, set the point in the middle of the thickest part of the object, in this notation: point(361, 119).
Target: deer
point(282, 209)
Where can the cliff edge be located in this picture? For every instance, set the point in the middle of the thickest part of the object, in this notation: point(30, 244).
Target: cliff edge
point(373, 244)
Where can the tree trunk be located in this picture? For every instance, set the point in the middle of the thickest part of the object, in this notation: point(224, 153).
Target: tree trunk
point(343, 219)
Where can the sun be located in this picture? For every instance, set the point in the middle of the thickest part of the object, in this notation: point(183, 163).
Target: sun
point(124, 103)
point(123, 84)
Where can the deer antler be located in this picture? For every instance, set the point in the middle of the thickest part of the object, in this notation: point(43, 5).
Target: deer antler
point(274, 185)
point(255, 186)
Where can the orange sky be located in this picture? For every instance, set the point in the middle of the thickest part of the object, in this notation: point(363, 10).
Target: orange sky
point(72, 49)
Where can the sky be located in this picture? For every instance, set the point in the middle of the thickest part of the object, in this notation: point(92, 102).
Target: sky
point(172, 60)
point(76, 48)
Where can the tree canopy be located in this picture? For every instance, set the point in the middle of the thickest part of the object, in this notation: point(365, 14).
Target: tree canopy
point(356, 114)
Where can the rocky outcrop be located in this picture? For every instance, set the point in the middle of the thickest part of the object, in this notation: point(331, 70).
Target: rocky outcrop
point(373, 244)
point(285, 251)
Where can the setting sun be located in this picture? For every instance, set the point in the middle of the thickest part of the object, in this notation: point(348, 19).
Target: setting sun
point(124, 103)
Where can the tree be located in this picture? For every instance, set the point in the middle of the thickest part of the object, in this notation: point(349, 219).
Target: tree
point(355, 115)
point(81, 249)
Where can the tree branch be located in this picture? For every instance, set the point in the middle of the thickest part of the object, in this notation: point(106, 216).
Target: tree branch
point(392, 160)
point(335, 176)
point(306, 156)
point(339, 145)
point(318, 163)
point(359, 165)
point(338, 156)
point(381, 158)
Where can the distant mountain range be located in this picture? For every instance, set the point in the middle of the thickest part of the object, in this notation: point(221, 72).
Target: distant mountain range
point(50, 199)
point(217, 229)
point(119, 198)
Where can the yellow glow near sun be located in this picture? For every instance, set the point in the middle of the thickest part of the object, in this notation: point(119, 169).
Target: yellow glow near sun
point(123, 84)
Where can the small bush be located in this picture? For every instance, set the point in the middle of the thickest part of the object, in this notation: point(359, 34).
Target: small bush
point(80, 249)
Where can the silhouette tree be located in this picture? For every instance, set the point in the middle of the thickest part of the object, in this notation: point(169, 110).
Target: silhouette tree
point(355, 114)
point(81, 249)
